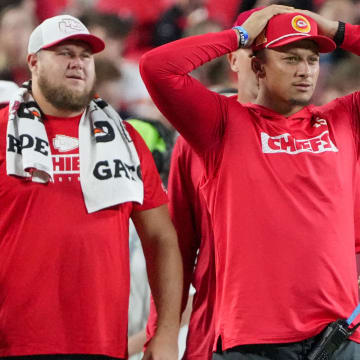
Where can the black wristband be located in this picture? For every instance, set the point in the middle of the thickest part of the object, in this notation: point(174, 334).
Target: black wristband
point(340, 34)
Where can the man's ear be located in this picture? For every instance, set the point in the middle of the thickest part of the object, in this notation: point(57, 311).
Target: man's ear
point(257, 67)
point(32, 60)
point(232, 59)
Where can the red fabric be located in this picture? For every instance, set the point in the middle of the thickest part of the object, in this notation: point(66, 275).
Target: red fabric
point(224, 11)
point(192, 222)
point(280, 195)
point(46, 9)
point(64, 273)
point(142, 11)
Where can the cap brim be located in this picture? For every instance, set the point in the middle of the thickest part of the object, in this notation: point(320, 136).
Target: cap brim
point(326, 45)
point(95, 43)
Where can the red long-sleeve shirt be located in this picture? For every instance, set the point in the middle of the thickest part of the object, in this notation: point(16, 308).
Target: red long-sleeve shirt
point(280, 191)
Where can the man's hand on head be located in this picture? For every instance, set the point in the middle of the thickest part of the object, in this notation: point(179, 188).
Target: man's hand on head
point(257, 21)
point(326, 26)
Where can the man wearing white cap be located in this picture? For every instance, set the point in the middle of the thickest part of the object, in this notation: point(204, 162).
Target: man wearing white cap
point(71, 175)
point(280, 182)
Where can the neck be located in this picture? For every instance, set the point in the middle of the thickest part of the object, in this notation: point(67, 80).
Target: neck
point(245, 95)
point(47, 108)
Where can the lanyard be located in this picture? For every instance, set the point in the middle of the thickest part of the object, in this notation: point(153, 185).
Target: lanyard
point(353, 315)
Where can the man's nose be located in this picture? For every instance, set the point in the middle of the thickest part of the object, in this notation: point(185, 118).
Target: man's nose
point(76, 63)
point(304, 69)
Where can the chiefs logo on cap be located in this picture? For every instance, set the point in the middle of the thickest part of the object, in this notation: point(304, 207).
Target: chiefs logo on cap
point(69, 25)
point(301, 24)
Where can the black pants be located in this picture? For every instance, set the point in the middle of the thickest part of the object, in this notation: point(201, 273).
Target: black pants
point(61, 357)
point(349, 350)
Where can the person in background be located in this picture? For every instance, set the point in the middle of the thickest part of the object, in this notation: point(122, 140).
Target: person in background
point(17, 21)
point(159, 140)
point(192, 221)
point(134, 98)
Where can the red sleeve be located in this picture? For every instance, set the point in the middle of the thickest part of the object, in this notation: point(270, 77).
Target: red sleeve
point(182, 188)
point(196, 112)
point(352, 39)
point(154, 192)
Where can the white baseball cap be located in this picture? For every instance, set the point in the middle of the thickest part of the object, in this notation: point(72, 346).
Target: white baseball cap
point(56, 29)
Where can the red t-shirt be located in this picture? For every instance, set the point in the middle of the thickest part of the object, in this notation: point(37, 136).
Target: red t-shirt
point(64, 273)
point(280, 192)
point(192, 222)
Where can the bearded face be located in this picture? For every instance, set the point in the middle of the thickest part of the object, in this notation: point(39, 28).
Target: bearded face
point(63, 97)
point(65, 75)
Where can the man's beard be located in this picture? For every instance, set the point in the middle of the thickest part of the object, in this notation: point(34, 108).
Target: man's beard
point(63, 98)
point(300, 102)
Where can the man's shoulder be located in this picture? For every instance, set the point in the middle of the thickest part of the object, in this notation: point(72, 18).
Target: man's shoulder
point(183, 148)
point(337, 103)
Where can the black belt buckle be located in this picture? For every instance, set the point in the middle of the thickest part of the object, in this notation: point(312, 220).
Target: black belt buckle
point(331, 339)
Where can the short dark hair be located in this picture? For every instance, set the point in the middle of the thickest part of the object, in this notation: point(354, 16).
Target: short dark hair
point(114, 25)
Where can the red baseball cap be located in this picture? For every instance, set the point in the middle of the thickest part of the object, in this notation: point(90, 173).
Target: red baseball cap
point(286, 28)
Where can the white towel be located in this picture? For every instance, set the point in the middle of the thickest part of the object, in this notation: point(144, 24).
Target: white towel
point(110, 171)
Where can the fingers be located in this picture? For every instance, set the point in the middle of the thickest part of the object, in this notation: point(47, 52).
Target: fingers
point(259, 19)
point(273, 10)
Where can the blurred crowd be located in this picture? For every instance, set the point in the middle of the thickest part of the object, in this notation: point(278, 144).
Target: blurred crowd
point(131, 27)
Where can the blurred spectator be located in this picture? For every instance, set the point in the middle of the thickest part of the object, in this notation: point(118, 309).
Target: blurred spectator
point(112, 28)
point(344, 10)
point(144, 13)
point(159, 140)
point(107, 83)
point(344, 79)
point(131, 91)
point(46, 8)
point(16, 24)
point(298, 4)
point(224, 11)
point(172, 23)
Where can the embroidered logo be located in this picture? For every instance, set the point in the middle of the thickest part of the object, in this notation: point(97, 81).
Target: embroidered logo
point(286, 143)
point(68, 26)
point(301, 24)
point(319, 122)
point(64, 143)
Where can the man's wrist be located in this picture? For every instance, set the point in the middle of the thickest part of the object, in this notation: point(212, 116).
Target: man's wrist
point(243, 36)
point(340, 34)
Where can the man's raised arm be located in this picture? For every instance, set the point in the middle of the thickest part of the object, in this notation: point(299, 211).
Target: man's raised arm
point(196, 112)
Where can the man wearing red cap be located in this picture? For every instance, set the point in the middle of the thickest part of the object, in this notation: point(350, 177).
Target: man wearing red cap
point(280, 178)
point(72, 173)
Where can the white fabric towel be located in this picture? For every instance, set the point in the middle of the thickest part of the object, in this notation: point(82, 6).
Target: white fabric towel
point(109, 164)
